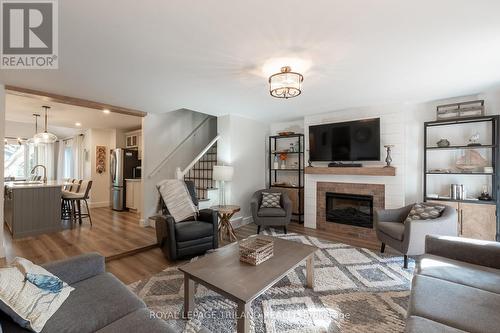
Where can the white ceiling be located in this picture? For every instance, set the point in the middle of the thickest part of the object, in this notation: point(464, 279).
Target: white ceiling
point(62, 118)
point(159, 56)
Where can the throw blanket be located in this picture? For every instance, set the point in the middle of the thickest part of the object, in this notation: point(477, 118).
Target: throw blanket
point(176, 197)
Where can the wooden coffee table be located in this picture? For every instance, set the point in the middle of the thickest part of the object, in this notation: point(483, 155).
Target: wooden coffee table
point(224, 273)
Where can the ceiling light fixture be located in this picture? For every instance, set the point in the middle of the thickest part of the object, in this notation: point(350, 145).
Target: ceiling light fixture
point(78, 124)
point(286, 84)
point(106, 111)
point(45, 137)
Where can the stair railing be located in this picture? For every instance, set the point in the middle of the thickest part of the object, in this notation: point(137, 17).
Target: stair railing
point(172, 153)
point(181, 173)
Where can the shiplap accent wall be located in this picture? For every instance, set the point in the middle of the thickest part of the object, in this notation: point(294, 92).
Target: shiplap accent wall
point(392, 131)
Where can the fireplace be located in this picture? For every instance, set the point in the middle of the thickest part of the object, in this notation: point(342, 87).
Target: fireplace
point(350, 209)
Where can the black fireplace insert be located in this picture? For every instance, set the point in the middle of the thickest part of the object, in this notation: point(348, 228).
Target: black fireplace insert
point(350, 209)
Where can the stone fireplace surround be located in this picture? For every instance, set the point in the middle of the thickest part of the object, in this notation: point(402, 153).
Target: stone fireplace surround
point(377, 191)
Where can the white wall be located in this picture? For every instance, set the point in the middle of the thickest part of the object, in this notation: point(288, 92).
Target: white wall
point(243, 145)
point(2, 122)
point(161, 134)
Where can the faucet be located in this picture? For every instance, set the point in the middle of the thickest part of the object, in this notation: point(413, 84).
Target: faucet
point(44, 172)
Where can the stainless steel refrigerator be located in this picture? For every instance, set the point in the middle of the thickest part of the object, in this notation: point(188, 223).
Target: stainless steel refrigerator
point(123, 162)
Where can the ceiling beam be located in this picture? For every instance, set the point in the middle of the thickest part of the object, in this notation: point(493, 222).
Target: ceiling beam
point(50, 97)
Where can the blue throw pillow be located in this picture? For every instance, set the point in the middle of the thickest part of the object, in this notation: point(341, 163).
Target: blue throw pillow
point(49, 283)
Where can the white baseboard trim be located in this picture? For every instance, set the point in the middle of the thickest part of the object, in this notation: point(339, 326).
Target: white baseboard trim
point(99, 204)
point(241, 221)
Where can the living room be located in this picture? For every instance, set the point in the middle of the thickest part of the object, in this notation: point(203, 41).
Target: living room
point(326, 167)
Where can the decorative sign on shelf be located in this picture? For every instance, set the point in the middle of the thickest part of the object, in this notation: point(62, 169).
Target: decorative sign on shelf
point(100, 159)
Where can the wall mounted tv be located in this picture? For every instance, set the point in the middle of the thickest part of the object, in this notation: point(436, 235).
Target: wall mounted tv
point(348, 141)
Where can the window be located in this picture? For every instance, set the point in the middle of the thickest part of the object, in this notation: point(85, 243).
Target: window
point(15, 158)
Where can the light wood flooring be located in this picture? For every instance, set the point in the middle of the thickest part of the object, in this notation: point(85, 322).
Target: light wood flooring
point(113, 234)
point(130, 250)
point(139, 266)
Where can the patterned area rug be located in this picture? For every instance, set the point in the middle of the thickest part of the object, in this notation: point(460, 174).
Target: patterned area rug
point(356, 290)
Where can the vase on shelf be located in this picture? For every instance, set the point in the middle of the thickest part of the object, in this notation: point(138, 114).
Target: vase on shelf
point(283, 164)
point(276, 164)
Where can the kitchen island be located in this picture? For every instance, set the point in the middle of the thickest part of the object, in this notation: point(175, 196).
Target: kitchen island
point(33, 208)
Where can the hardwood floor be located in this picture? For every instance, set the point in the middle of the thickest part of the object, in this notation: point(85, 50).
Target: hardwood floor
point(130, 250)
point(139, 266)
point(113, 234)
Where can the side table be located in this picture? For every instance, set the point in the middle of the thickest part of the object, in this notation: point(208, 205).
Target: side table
point(225, 214)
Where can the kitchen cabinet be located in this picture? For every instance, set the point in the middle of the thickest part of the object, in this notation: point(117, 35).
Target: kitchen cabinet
point(133, 140)
point(133, 194)
point(478, 221)
point(32, 209)
point(475, 220)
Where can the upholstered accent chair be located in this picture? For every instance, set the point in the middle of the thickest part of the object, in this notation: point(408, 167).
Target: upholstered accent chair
point(267, 217)
point(190, 237)
point(408, 237)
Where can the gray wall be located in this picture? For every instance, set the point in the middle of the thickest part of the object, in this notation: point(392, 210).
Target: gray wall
point(162, 133)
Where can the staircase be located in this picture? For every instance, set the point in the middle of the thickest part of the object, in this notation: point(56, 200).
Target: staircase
point(202, 174)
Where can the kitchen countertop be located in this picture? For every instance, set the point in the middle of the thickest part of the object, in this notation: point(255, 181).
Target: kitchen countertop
point(21, 184)
point(133, 179)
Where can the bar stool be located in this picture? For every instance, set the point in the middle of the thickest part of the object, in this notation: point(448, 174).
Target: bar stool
point(75, 201)
point(75, 186)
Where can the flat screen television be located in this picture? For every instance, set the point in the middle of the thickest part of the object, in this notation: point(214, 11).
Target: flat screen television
point(348, 141)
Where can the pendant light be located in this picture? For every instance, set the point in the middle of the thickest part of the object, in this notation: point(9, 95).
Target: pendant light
point(33, 141)
point(45, 137)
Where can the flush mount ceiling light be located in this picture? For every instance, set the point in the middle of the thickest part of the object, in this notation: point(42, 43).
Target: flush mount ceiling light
point(286, 84)
point(45, 137)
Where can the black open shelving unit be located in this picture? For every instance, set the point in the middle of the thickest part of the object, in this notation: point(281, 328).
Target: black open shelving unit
point(495, 160)
point(275, 173)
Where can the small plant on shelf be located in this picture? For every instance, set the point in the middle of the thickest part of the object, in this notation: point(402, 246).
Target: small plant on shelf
point(283, 158)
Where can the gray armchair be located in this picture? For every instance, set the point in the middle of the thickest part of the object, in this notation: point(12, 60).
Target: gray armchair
point(276, 217)
point(409, 238)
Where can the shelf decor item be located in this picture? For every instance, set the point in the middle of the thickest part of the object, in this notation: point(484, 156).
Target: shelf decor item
point(256, 250)
point(443, 143)
point(276, 164)
point(460, 110)
point(470, 160)
point(283, 158)
point(474, 140)
point(485, 194)
point(388, 158)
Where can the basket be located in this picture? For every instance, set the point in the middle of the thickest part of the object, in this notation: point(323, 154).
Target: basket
point(256, 250)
